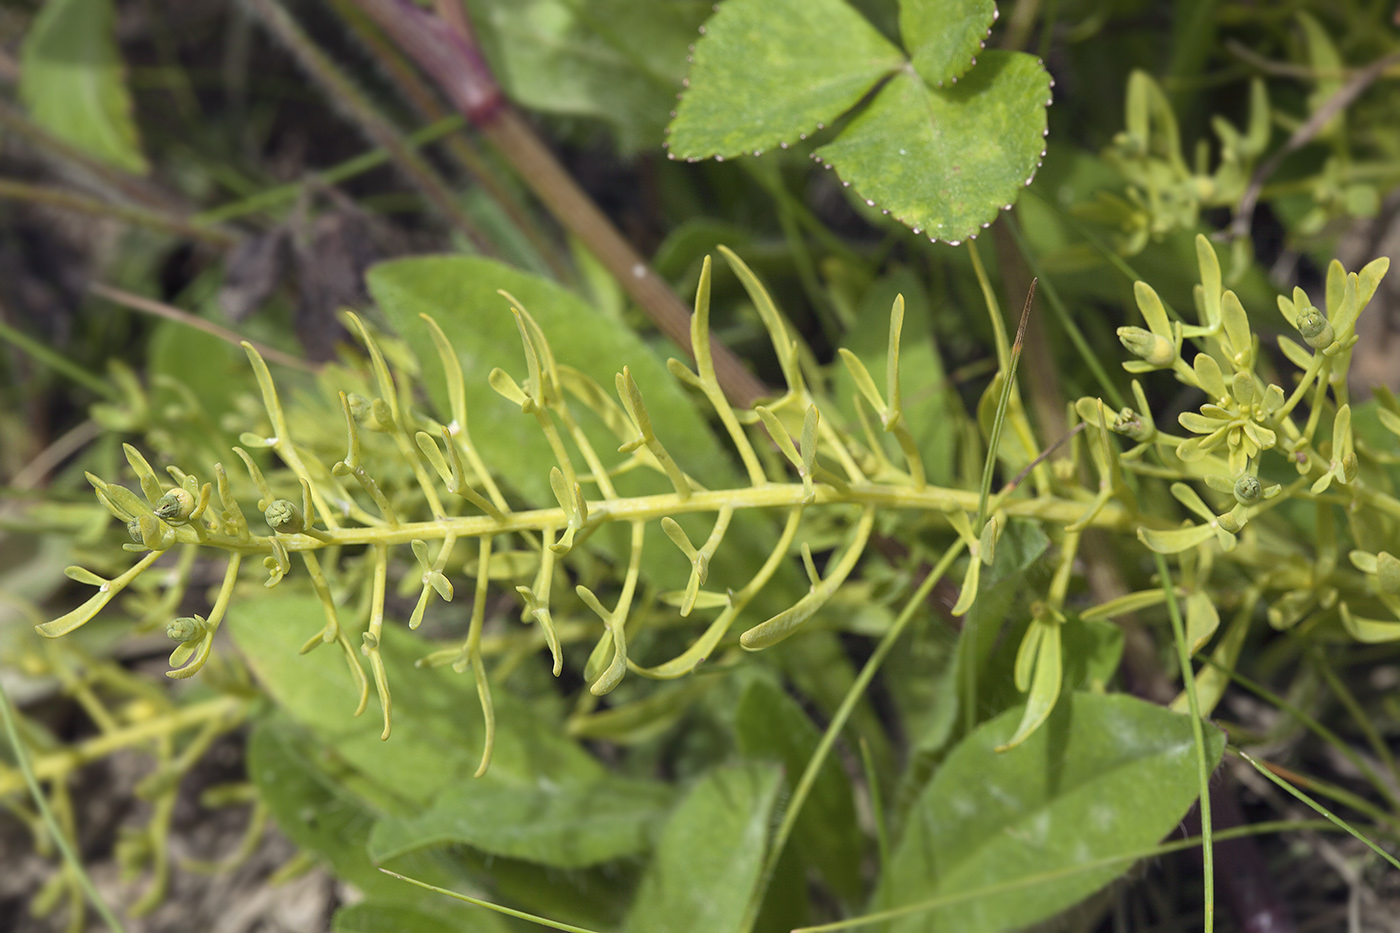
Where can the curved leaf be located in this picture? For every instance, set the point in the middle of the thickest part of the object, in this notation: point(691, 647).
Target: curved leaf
point(944, 161)
point(710, 853)
point(569, 825)
point(942, 36)
point(770, 724)
point(1105, 775)
point(1175, 540)
point(73, 85)
point(770, 71)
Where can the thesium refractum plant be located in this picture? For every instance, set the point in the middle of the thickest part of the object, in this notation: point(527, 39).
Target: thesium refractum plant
point(410, 480)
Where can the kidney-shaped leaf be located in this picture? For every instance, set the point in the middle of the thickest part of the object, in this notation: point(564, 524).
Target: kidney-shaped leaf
point(1106, 775)
point(564, 825)
point(708, 861)
point(942, 36)
point(768, 71)
point(945, 160)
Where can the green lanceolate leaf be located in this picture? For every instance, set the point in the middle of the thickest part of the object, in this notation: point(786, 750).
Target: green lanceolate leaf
point(942, 36)
point(1044, 675)
point(1105, 775)
point(322, 816)
point(1175, 540)
point(562, 825)
point(73, 85)
point(944, 161)
point(769, 724)
point(768, 72)
point(709, 856)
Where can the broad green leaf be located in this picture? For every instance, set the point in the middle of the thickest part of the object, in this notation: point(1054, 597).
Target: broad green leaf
point(379, 917)
point(1105, 775)
point(942, 36)
point(460, 293)
point(73, 84)
point(642, 720)
point(209, 367)
point(321, 815)
point(1092, 650)
point(437, 734)
point(562, 825)
point(769, 72)
point(620, 61)
point(769, 724)
point(944, 161)
point(708, 860)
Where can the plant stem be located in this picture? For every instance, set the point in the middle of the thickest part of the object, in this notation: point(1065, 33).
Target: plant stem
point(1198, 734)
point(136, 216)
point(455, 62)
point(60, 838)
point(838, 722)
point(160, 309)
point(930, 499)
point(58, 764)
point(128, 186)
point(458, 143)
point(343, 92)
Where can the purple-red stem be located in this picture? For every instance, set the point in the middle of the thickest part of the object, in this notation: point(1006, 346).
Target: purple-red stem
point(455, 63)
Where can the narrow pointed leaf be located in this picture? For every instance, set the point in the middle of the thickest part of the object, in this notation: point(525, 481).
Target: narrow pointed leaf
point(1371, 631)
point(1175, 540)
point(1044, 686)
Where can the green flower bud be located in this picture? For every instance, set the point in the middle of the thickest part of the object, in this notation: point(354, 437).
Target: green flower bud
point(1315, 328)
point(1247, 489)
point(184, 628)
point(284, 516)
point(359, 407)
point(1147, 346)
point(133, 528)
point(175, 506)
point(1388, 573)
point(1130, 423)
point(1350, 468)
